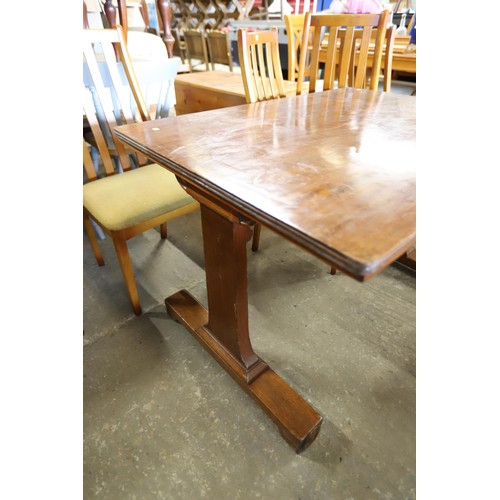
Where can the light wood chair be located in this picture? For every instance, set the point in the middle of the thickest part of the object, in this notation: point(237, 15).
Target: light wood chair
point(260, 64)
point(295, 28)
point(122, 200)
point(345, 53)
point(294, 24)
point(219, 48)
point(196, 49)
point(294, 31)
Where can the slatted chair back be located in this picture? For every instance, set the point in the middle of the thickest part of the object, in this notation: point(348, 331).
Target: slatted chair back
point(219, 48)
point(345, 51)
point(260, 65)
point(387, 54)
point(196, 49)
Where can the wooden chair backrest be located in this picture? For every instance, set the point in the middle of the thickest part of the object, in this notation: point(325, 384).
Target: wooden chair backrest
point(219, 48)
point(196, 47)
point(349, 37)
point(260, 64)
point(111, 94)
point(294, 30)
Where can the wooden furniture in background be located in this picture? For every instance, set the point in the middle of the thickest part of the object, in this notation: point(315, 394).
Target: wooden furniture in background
point(207, 90)
point(164, 10)
point(260, 64)
point(111, 15)
point(294, 32)
point(342, 49)
point(243, 164)
point(196, 49)
point(129, 203)
point(219, 48)
point(118, 15)
point(401, 60)
point(295, 29)
point(207, 15)
point(405, 62)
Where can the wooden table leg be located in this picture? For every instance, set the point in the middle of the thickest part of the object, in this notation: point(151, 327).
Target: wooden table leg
point(223, 329)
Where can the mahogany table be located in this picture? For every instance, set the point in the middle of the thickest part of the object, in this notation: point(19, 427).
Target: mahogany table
point(323, 170)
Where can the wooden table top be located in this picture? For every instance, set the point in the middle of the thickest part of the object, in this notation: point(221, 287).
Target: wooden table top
point(228, 82)
point(332, 171)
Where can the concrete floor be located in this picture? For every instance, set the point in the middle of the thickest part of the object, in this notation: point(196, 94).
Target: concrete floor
point(162, 420)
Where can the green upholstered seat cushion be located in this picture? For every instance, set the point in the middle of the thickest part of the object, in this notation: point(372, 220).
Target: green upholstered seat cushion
point(124, 200)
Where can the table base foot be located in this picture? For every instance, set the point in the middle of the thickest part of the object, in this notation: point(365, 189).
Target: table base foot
point(297, 421)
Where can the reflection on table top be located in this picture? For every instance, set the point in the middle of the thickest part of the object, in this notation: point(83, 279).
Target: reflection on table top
point(332, 171)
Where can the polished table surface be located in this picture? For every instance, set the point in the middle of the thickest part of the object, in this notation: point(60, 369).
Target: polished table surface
point(333, 172)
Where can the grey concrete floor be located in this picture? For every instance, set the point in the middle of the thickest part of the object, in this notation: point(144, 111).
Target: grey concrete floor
point(162, 420)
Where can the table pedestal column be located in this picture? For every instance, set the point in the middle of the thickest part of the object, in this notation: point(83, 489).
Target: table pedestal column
point(223, 329)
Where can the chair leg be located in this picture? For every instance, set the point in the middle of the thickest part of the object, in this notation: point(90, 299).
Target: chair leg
point(256, 237)
point(87, 223)
point(127, 271)
point(333, 270)
point(163, 230)
point(98, 231)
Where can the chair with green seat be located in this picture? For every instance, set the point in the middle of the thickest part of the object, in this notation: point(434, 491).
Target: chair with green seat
point(129, 196)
